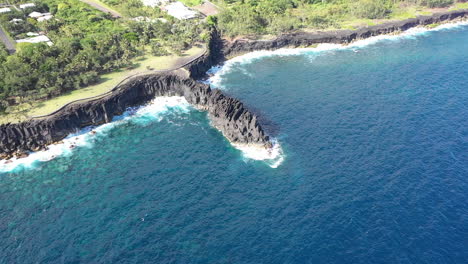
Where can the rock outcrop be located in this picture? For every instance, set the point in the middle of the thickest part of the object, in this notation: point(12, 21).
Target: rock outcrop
point(227, 114)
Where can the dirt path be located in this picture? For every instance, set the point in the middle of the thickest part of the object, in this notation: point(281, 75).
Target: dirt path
point(9, 44)
point(102, 8)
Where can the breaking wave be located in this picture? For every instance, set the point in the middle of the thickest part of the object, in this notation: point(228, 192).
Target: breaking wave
point(272, 156)
point(217, 73)
point(144, 115)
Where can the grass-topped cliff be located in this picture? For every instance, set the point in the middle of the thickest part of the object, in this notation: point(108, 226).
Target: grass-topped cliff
point(257, 17)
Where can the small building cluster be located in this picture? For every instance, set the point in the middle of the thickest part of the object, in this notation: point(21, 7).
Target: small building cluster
point(7, 8)
point(32, 37)
point(36, 15)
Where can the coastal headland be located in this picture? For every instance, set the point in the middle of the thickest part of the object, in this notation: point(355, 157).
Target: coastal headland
point(229, 115)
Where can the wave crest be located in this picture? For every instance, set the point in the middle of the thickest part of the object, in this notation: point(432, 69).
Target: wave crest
point(218, 73)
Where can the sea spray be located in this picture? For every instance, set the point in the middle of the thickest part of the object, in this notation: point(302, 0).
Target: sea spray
point(273, 156)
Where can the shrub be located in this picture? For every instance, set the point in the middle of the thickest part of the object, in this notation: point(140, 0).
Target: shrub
point(370, 9)
point(436, 3)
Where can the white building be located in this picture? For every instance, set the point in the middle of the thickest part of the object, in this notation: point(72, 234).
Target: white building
point(41, 16)
point(179, 11)
point(45, 17)
point(5, 10)
point(149, 20)
point(16, 20)
point(35, 14)
point(154, 3)
point(36, 39)
point(23, 6)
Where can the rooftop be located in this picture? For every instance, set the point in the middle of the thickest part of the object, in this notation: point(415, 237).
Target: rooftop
point(36, 39)
point(179, 10)
point(44, 18)
point(23, 6)
point(35, 14)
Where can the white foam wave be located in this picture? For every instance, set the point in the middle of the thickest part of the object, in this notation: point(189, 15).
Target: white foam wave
point(144, 115)
point(218, 73)
point(86, 137)
point(272, 156)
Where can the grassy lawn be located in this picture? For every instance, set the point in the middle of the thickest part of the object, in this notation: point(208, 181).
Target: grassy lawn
point(460, 6)
point(192, 2)
point(400, 13)
point(25, 111)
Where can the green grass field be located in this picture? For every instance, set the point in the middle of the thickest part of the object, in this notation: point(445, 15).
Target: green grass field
point(460, 6)
point(400, 13)
point(192, 2)
point(25, 111)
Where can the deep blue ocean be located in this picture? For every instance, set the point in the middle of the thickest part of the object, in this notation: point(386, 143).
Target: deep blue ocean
point(375, 170)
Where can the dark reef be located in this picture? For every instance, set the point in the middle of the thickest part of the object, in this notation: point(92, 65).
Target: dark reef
point(228, 114)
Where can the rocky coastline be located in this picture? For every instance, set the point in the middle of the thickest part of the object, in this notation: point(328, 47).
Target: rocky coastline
point(229, 115)
point(307, 39)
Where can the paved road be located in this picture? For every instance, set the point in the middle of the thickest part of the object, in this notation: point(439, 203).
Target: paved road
point(10, 45)
point(102, 8)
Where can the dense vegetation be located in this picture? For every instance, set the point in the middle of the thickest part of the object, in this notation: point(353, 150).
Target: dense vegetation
point(243, 17)
point(87, 43)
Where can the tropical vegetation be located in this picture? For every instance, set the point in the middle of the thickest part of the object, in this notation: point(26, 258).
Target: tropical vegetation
point(86, 44)
point(254, 17)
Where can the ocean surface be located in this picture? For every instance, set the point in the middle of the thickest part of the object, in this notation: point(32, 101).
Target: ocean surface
point(373, 168)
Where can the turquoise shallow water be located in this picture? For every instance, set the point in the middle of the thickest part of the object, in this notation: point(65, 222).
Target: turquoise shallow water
point(376, 170)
